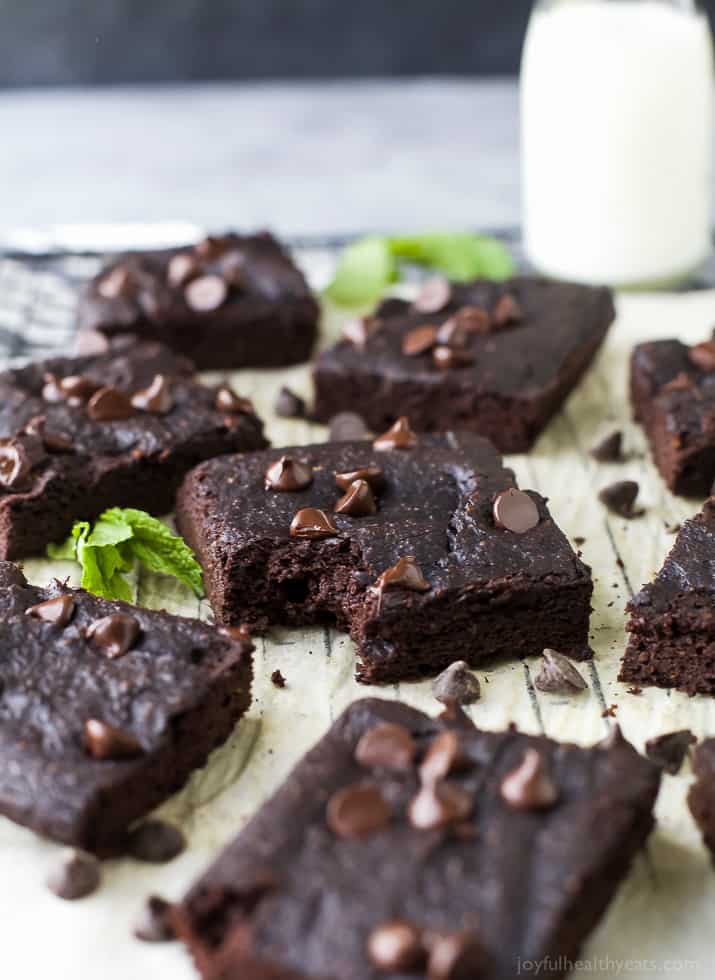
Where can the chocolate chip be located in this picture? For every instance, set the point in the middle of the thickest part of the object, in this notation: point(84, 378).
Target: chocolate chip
point(473, 319)
point(287, 475)
point(528, 786)
point(703, 355)
point(104, 741)
point(456, 683)
point(228, 401)
point(53, 442)
point(358, 500)
point(404, 574)
point(419, 341)
point(115, 283)
point(358, 330)
point(515, 511)
point(609, 449)
point(153, 924)
point(669, 751)
point(114, 635)
point(454, 956)
point(157, 398)
point(506, 311)
point(454, 714)
point(398, 436)
point(620, 498)
point(433, 296)
point(51, 391)
point(347, 427)
point(110, 405)
point(357, 810)
point(277, 679)
point(312, 523)
point(558, 675)
point(448, 358)
point(213, 247)
point(77, 389)
point(75, 875)
point(439, 804)
point(288, 405)
point(386, 746)
point(372, 475)
point(206, 294)
point(155, 842)
point(181, 268)
point(395, 947)
point(15, 464)
point(445, 755)
point(57, 611)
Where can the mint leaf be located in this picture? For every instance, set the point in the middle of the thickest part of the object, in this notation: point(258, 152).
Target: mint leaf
point(159, 549)
point(366, 267)
point(67, 551)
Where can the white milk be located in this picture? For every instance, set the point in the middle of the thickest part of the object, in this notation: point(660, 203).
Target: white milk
point(617, 126)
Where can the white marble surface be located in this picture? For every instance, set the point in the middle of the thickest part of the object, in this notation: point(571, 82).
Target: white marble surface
point(303, 158)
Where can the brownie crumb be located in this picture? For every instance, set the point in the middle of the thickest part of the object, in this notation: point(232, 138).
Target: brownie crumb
point(288, 405)
point(670, 750)
point(277, 679)
point(610, 712)
point(75, 875)
point(672, 528)
point(609, 449)
point(620, 498)
point(635, 691)
point(578, 540)
point(153, 925)
point(456, 683)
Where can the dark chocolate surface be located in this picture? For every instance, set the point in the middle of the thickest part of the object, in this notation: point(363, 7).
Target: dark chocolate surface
point(289, 898)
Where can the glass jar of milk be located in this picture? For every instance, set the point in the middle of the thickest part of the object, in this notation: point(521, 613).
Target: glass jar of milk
point(617, 140)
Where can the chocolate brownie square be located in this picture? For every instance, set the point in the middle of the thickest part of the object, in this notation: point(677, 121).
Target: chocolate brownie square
point(231, 301)
point(408, 846)
point(79, 434)
point(673, 397)
point(496, 359)
point(672, 620)
point(426, 553)
point(106, 709)
point(701, 797)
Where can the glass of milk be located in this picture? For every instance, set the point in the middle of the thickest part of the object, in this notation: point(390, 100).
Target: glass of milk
point(617, 140)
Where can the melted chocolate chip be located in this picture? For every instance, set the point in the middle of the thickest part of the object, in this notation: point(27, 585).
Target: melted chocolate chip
point(114, 635)
point(358, 330)
point(506, 312)
point(398, 436)
point(449, 358)
point(609, 449)
point(155, 842)
point(115, 283)
point(395, 947)
point(404, 574)
point(438, 805)
point(558, 675)
point(58, 611)
point(182, 267)
point(157, 398)
point(232, 404)
point(357, 810)
point(456, 683)
point(277, 679)
point(433, 296)
point(372, 475)
point(419, 341)
point(312, 523)
point(347, 427)
point(288, 475)
point(75, 875)
point(445, 755)
point(104, 741)
point(110, 405)
point(153, 924)
point(515, 511)
point(703, 355)
point(620, 498)
point(358, 500)
point(387, 746)
point(529, 787)
point(77, 389)
point(454, 956)
point(288, 405)
point(15, 464)
point(206, 293)
point(669, 751)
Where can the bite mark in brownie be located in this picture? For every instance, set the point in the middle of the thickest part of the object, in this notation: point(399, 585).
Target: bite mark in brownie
point(231, 301)
point(502, 373)
point(427, 579)
point(176, 694)
point(398, 888)
point(72, 443)
point(672, 620)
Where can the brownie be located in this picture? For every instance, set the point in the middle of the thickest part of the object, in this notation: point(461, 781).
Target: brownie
point(106, 708)
point(231, 301)
point(673, 397)
point(411, 560)
point(79, 434)
point(406, 846)
point(672, 619)
point(496, 359)
point(701, 797)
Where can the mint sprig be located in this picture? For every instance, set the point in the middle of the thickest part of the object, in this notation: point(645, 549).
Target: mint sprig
point(370, 264)
point(109, 548)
